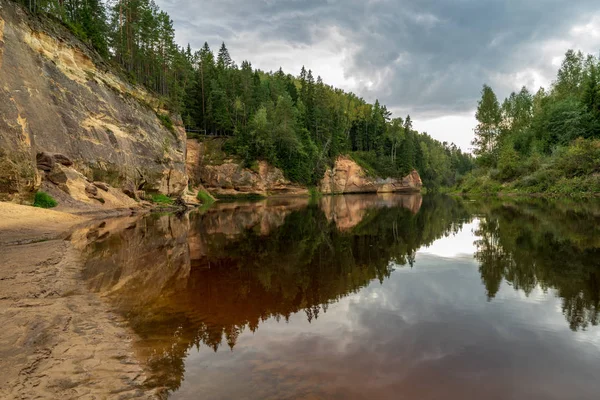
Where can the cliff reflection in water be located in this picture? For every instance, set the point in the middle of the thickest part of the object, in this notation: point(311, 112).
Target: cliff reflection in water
point(202, 279)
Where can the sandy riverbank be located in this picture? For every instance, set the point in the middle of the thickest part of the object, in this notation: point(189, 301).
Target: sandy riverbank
point(58, 340)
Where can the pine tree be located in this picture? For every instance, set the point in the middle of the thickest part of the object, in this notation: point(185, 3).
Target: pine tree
point(224, 59)
point(408, 147)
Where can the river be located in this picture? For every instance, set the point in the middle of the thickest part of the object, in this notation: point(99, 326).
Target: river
point(360, 297)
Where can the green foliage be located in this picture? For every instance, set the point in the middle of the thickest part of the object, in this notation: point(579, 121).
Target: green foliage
point(480, 184)
point(159, 198)
point(581, 158)
point(546, 143)
point(204, 197)
point(167, 122)
point(44, 200)
point(86, 19)
point(373, 165)
point(572, 171)
point(508, 163)
point(488, 116)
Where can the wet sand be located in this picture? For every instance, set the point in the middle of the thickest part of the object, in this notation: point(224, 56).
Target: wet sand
point(58, 340)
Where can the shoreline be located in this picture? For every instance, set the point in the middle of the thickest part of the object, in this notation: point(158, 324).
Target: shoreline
point(59, 340)
point(573, 196)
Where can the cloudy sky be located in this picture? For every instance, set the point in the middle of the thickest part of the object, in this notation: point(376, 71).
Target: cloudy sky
point(428, 58)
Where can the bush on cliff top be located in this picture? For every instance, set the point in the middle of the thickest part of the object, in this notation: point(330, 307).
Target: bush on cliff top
point(44, 200)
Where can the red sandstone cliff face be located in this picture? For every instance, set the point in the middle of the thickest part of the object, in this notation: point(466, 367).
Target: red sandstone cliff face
point(347, 176)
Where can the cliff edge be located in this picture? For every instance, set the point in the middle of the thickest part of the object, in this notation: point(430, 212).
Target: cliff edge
point(346, 176)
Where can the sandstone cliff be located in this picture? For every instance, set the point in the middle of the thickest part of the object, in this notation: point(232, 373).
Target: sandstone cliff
point(222, 176)
point(57, 96)
point(346, 176)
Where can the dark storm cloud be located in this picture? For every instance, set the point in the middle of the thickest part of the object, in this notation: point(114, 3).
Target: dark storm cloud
point(428, 56)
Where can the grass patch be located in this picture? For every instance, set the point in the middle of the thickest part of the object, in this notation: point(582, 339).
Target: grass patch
point(44, 200)
point(204, 197)
point(167, 122)
point(158, 198)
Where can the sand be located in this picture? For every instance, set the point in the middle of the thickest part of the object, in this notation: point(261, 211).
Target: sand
point(58, 339)
point(19, 224)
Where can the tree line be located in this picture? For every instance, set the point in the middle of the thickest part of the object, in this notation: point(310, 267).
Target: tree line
point(547, 141)
point(298, 123)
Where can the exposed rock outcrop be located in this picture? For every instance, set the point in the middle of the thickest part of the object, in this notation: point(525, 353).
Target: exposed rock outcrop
point(59, 103)
point(74, 192)
point(347, 176)
point(221, 176)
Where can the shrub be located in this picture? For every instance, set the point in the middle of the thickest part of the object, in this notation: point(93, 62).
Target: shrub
point(508, 163)
point(204, 197)
point(254, 166)
point(44, 200)
point(577, 186)
point(582, 157)
point(480, 184)
point(539, 181)
point(159, 198)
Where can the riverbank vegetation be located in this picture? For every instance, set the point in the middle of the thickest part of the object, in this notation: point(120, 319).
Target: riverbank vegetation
point(547, 142)
point(295, 122)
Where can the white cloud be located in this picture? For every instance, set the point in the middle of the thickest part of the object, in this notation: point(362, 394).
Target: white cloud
point(426, 58)
point(457, 128)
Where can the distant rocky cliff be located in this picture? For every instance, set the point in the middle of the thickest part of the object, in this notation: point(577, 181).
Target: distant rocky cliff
point(346, 176)
point(57, 97)
point(223, 176)
point(210, 167)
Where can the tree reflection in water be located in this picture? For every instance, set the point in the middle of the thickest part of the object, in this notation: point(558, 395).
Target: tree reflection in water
point(551, 244)
point(203, 279)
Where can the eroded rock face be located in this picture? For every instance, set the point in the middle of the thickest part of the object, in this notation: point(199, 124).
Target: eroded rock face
point(58, 99)
point(74, 191)
point(228, 177)
point(347, 176)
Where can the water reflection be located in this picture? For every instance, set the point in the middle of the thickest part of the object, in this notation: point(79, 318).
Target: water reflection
point(547, 244)
point(209, 281)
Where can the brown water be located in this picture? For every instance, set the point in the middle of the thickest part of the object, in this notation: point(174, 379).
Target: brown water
point(361, 297)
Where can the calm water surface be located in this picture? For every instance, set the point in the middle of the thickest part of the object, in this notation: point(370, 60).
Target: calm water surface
point(361, 297)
